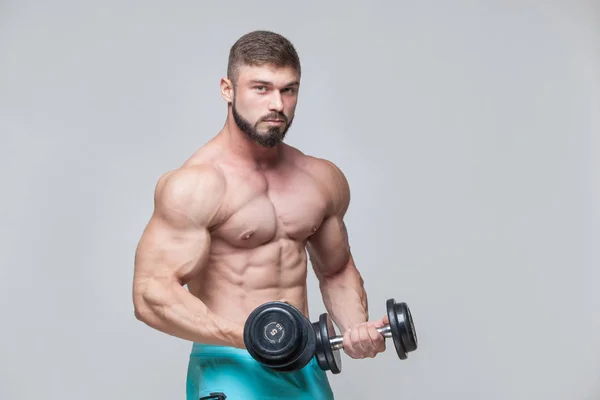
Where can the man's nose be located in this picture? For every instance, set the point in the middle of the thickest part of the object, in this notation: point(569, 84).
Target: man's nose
point(275, 102)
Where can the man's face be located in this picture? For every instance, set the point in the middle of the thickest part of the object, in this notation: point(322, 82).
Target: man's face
point(264, 102)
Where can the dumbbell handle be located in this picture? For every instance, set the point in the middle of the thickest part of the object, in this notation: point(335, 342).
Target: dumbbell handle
point(337, 342)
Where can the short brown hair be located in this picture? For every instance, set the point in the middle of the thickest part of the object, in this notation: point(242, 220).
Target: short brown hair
point(261, 48)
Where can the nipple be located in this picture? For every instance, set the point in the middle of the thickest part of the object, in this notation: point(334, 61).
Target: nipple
point(247, 235)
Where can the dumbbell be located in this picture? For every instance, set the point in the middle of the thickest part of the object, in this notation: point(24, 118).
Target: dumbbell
point(400, 328)
point(279, 336)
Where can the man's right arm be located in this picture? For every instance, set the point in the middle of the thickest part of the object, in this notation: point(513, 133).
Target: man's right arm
point(174, 247)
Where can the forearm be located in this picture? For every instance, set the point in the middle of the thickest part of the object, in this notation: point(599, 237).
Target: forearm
point(344, 296)
point(170, 308)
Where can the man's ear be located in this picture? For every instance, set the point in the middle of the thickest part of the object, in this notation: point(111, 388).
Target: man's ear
point(227, 90)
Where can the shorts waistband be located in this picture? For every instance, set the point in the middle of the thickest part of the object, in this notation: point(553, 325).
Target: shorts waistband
point(212, 350)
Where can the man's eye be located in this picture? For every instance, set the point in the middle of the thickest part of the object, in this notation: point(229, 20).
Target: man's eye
point(260, 88)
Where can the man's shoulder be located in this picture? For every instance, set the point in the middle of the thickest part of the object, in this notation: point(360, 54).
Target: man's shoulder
point(194, 173)
point(321, 168)
point(191, 193)
point(190, 180)
point(329, 176)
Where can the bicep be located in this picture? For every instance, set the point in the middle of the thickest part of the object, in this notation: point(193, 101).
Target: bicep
point(170, 252)
point(329, 248)
point(176, 241)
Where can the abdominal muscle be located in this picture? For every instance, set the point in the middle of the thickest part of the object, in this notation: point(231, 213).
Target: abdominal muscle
point(235, 281)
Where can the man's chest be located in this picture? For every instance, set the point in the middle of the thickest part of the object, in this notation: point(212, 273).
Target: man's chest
point(264, 208)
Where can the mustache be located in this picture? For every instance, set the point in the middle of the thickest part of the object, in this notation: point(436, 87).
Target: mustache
point(275, 116)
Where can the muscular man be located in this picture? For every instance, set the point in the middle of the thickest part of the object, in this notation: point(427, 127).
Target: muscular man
point(235, 223)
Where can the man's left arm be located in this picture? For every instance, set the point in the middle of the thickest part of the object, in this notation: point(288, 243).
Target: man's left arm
point(340, 282)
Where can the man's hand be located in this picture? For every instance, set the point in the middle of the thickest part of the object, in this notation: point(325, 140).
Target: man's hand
point(363, 340)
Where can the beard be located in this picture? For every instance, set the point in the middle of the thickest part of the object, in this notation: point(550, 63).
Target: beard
point(273, 135)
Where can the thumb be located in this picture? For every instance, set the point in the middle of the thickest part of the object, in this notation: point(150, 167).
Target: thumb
point(380, 322)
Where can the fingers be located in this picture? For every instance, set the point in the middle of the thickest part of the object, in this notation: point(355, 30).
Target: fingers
point(374, 336)
point(363, 341)
point(380, 322)
point(355, 337)
point(352, 345)
point(349, 343)
point(377, 340)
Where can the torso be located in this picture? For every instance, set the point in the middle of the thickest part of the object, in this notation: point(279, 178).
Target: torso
point(258, 244)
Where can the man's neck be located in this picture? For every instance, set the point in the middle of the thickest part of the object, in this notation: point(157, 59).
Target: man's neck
point(246, 150)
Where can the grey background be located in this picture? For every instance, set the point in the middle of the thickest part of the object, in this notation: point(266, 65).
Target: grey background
point(468, 132)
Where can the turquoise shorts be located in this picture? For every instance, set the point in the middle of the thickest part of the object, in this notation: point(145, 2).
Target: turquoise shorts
point(233, 373)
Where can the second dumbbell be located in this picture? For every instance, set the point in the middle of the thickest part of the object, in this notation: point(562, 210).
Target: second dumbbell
point(400, 329)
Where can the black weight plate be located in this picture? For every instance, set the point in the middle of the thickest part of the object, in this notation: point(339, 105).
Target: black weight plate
point(396, 328)
point(332, 357)
point(319, 343)
point(403, 331)
point(300, 359)
point(409, 336)
point(273, 333)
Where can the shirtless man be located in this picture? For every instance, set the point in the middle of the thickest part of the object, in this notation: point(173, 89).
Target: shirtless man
point(235, 223)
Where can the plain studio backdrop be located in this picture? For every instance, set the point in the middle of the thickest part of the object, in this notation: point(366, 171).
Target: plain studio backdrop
point(468, 132)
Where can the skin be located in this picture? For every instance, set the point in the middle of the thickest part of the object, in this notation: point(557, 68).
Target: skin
point(235, 226)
